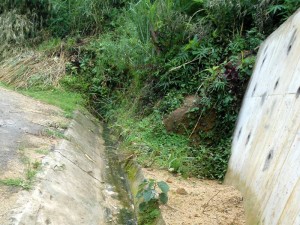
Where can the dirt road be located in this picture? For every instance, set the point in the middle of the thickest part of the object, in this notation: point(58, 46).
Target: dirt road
point(23, 124)
point(14, 124)
point(24, 141)
point(199, 202)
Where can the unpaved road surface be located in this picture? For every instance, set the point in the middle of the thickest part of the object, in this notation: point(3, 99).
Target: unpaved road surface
point(24, 123)
point(14, 124)
point(23, 141)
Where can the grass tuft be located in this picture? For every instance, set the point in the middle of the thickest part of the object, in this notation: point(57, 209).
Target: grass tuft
point(26, 183)
point(54, 133)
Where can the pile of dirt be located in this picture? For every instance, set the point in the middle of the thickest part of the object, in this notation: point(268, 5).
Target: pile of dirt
point(199, 202)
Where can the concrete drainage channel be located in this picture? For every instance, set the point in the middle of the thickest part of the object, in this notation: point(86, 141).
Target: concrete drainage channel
point(126, 176)
point(118, 182)
point(82, 182)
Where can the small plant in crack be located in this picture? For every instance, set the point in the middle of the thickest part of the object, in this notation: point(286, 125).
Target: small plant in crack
point(30, 173)
point(13, 182)
point(54, 133)
point(42, 151)
point(151, 194)
point(27, 182)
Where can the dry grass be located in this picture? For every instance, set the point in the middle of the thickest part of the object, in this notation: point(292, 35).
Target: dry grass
point(14, 27)
point(21, 68)
point(32, 69)
point(14, 30)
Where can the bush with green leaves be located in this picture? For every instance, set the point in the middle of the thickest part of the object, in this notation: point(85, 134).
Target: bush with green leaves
point(283, 8)
point(146, 56)
point(63, 18)
point(19, 22)
point(161, 51)
point(150, 199)
point(80, 17)
point(23, 18)
point(110, 65)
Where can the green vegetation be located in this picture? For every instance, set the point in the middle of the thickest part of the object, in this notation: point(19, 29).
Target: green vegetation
point(17, 182)
point(66, 100)
point(27, 182)
point(136, 61)
point(151, 198)
point(4, 85)
point(149, 140)
point(42, 151)
point(54, 133)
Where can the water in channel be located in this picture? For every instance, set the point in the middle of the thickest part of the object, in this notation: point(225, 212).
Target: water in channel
point(116, 177)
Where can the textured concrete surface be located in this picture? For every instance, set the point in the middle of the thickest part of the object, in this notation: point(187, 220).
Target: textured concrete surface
point(71, 188)
point(265, 161)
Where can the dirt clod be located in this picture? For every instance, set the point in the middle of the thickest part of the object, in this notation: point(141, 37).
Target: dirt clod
point(181, 191)
point(169, 180)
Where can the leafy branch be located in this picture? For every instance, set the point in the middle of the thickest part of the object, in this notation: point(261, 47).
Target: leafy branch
point(148, 191)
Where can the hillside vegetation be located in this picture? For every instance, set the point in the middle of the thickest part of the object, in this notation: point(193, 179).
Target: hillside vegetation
point(136, 61)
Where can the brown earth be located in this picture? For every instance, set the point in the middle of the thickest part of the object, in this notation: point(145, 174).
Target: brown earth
point(199, 202)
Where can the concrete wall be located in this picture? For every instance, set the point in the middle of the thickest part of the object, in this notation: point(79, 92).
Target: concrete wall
point(265, 161)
